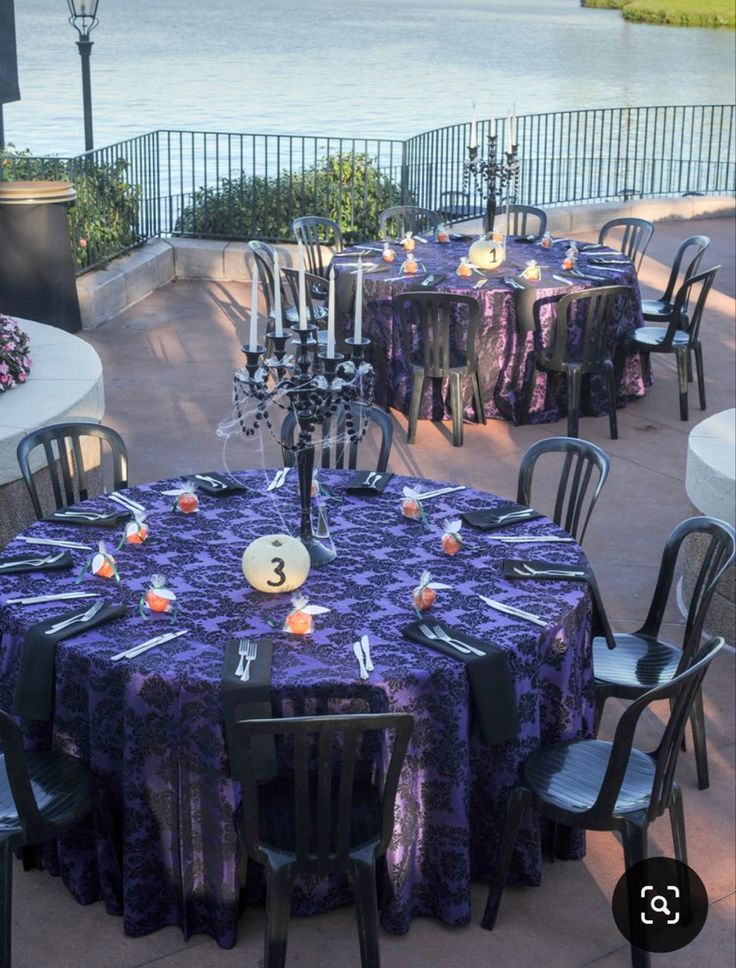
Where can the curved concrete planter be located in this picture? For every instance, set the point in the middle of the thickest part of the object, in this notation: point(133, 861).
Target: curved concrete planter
point(65, 383)
point(710, 482)
point(106, 292)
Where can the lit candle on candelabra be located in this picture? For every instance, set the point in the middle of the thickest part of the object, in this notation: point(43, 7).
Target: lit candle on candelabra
point(473, 143)
point(278, 322)
point(358, 332)
point(331, 315)
point(253, 339)
point(302, 290)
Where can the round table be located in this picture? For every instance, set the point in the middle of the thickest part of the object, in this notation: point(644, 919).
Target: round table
point(152, 726)
point(511, 387)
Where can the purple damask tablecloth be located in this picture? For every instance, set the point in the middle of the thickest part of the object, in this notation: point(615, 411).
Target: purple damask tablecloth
point(152, 727)
point(511, 387)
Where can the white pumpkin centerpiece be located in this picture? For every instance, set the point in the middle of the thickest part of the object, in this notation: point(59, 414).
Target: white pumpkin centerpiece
point(276, 563)
point(486, 254)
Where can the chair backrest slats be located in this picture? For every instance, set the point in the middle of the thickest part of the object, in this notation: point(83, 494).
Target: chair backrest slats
point(699, 243)
point(581, 459)
point(594, 313)
point(325, 775)
point(342, 435)
point(439, 330)
point(314, 231)
point(636, 235)
point(716, 558)
point(64, 459)
point(396, 221)
point(526, 220)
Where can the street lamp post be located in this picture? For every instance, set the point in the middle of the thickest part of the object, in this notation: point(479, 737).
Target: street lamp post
point(83, 17)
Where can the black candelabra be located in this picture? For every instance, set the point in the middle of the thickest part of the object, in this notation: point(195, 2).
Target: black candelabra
point(312, 386)
point(494, 173)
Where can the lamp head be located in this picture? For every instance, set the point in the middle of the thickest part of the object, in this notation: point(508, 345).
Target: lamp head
point(83, 16)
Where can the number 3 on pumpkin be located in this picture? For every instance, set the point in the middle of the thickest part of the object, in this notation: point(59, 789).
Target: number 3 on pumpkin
point(279, 572)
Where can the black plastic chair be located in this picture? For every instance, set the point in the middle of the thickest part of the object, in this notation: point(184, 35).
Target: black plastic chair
point(525, 220)
point(314, 231)
point(597, 785)
point(661, 310)
point(62, 447)
point(263, 255)
point(333, 815)
point(641, 660)
point(594, 315)
point(316, 311)
point(636, 234)
point(457, 206)
point(438, 345)
point(584, 463)
point(584, 466)
point(337, 448)
point(395, 222)
point(682, 335)
point(42, 794)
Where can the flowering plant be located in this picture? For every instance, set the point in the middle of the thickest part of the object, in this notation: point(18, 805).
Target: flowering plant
point(15, 363)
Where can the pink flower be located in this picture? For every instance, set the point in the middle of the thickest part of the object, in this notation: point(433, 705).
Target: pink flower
point(22, 376)
point(4, 368)
point(4, 378)
point(83, 243)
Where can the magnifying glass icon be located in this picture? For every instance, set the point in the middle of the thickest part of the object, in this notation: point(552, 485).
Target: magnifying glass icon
point(659, 905)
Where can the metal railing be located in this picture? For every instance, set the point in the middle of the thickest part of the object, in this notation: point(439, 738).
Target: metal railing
point(242, 186)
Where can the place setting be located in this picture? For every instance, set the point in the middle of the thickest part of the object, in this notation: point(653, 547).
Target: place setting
point(216, 484)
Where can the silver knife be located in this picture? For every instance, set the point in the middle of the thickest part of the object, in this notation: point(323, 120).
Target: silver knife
point(55, 543)
point(516, 612)
point(148, 644)
point(33, 562)
point(440, 492)
point(358, 652)
point(62, 596)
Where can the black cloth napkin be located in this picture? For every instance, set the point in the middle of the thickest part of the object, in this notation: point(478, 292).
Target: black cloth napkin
point(488, 519)
point(599, 260)
point(230, 486)
point(514, 283)
point(589, 246)
point(491, 687)
point(34, 689)
point(249, 700)
point(357, 484)
point(525, 238)
point(458, 237)
point(18, 564)
point(601, 625)
point(113, 519)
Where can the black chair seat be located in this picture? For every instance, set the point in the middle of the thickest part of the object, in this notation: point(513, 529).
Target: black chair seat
point(569, 776)
point(61, 785)
point(278, 820)
point(652, 336)
point(638, 661)
point(656, 309)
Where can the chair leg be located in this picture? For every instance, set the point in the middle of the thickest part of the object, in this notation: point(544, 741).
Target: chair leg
point(697, 721)
point(574, 380)
point(6, 889)
point(681, 356)
point(635, 849)
point(518, 798)
point(456, 403)
point(416, 402)
point(611, 385)
point(701, 374)
point(278, 906)
point(689, 368)
point(363, 876)
point(600, 702)
point(677, 820)
point(480, 414)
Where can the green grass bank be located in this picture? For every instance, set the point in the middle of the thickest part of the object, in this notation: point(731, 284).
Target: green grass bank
point(675, 13)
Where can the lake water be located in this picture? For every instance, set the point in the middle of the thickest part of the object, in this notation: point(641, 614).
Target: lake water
point(329, 67)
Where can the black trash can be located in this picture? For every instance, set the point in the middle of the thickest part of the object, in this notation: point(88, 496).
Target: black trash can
point(37, 275)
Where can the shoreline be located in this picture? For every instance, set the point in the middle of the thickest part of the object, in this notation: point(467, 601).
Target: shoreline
point(709, 14)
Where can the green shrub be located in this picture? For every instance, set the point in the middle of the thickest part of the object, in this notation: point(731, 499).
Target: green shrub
point(348, 189)
point(104, 220)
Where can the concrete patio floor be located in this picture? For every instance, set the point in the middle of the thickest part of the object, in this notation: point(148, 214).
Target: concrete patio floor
point(168, 364)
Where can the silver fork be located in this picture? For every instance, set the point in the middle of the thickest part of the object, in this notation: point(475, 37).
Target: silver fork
point(441, 634)
point(528, 570)
point(426, 630)
point(83, 617)
point(373, 478)
point(251, 651)
point(242, 647)
point(211, 481)
point(33, 561)
point(514, 514)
